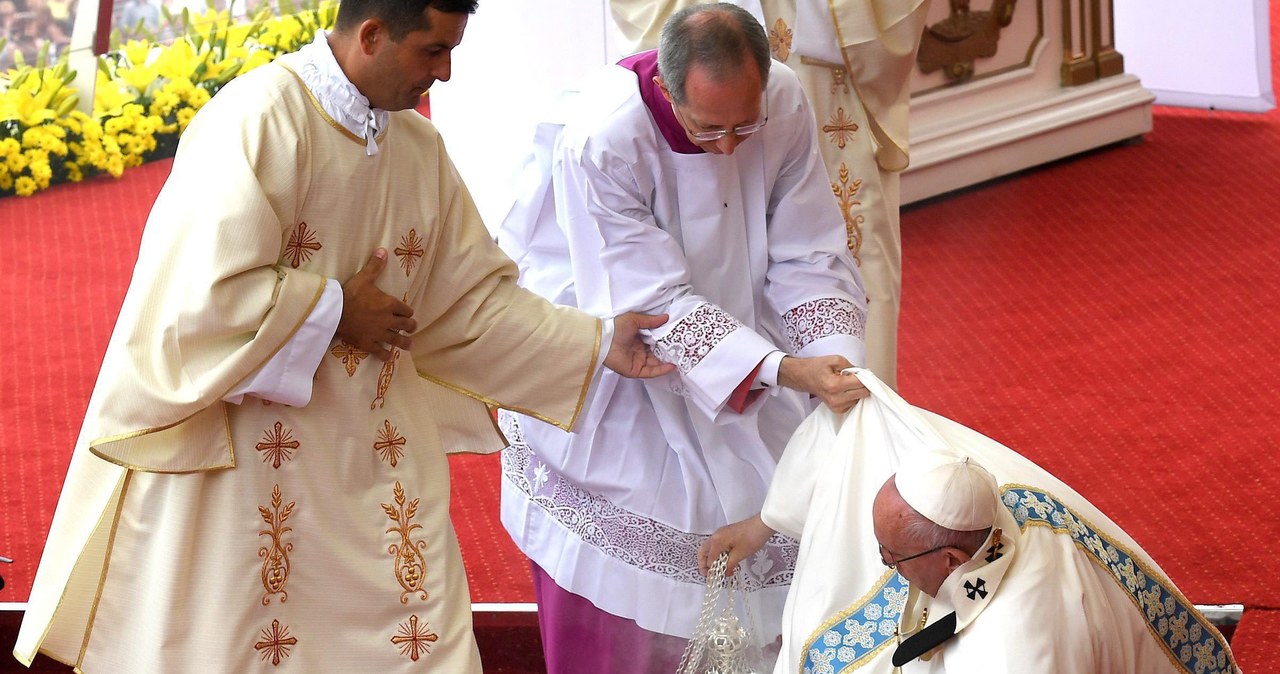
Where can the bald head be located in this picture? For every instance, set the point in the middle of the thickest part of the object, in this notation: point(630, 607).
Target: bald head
point(719, 39)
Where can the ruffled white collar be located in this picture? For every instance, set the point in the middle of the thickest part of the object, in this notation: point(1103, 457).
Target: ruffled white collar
point(339, 98)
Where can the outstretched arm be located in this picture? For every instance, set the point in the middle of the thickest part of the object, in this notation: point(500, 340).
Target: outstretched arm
point(740, 540)
point(823, 377)
point(628, 355)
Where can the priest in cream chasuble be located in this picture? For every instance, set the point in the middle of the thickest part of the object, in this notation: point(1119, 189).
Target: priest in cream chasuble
point(1055, 587)
point(207, 526)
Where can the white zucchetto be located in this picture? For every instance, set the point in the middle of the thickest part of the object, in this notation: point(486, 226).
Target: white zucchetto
point(950, 491)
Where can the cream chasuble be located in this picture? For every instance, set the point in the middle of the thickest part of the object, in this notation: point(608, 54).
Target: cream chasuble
point(198, 535)
point(1057, 588)
point(745, 254)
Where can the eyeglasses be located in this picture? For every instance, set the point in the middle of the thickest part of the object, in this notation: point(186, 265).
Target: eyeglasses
point(893, 563)
point(717, 134)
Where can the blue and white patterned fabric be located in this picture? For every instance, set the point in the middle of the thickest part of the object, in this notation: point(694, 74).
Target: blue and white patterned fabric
point(863, 631)
point(1191, 641)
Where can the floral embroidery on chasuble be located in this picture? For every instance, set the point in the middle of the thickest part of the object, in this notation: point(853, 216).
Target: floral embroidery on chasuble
point(368, 545)
point(328, 546)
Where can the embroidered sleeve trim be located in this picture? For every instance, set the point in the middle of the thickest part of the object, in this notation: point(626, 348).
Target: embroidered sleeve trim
point(1192, 643)
point(694, 336)
point(633, 539)
point(815, 319)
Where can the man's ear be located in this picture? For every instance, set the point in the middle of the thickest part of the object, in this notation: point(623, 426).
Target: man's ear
point(657, 79)
point(955, 557)
point(371, 33)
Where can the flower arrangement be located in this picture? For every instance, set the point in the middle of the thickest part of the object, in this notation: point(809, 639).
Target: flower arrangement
point(145, 96)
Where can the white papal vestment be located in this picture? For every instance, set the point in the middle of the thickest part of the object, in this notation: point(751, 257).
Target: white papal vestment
point(746, 254)
point(1058, 589)
point(195, 535)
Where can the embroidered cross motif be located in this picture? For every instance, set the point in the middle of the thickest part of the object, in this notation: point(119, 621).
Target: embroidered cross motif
point(302, 245)
point(390, 443)
point(780, 40)
point(277, 445)
point(409, 251)
point(993, 552)
point(974, 591)
point(349, 355)
point(275, 643)
point(414, 640)
point(841, 128)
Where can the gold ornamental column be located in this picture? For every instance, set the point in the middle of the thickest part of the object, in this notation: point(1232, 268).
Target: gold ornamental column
point(1088, 42)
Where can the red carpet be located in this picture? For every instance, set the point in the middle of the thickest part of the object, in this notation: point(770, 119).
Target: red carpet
point(1113, 316)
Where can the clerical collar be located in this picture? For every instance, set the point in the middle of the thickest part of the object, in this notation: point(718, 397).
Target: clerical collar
point(967, 591)
point(316, 65)
point(645, 66)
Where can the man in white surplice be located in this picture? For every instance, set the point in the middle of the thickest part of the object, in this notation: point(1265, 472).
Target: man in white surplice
point(688, 182)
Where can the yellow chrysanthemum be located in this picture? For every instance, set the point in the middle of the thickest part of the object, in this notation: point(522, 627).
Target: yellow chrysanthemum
point(16, 162)
point(184, 117)
point(24, 186)
point(114, 125)
point(115, 165)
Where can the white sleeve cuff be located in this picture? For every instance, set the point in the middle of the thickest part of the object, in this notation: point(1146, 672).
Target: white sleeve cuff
point(287, 377)
point(767, 376)
point(606, 340)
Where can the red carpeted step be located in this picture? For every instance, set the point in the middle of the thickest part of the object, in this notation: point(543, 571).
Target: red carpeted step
point(1256, 643)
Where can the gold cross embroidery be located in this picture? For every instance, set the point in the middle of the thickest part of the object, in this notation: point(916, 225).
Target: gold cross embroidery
point(414, 640)
point(409, 251)
point(389, 443)
point(277, 445)
point(841, 128)
point(275, 643)
point(780, 40)
point(349, 355)
point(302, 244)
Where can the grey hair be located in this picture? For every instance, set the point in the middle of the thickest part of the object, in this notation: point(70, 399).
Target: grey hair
point(713, 36)
point(928, 535)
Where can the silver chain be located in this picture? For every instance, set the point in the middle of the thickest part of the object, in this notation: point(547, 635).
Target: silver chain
point(719, 638)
